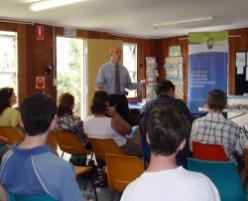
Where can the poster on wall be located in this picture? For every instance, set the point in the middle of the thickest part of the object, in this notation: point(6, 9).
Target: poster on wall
point(174, 72)
point(208, 58)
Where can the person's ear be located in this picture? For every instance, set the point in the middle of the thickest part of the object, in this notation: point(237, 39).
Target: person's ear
point(182, 145)
point(147, 138)
point(53, 124)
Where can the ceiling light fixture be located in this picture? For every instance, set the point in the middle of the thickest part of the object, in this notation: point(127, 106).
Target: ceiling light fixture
point(47, 4)
point(201, 19)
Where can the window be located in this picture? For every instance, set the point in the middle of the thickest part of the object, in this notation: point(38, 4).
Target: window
point(8, 60)
point(130, 62)
point(71, 72)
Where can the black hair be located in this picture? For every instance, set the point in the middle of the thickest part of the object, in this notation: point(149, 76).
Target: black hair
point(216, 99)
point(66, 103)
point(167, 128)
point(99, 103)
point(5, 95)
point(37, 112)
point(165, 86)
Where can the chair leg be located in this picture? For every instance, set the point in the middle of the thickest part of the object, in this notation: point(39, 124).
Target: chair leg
point(62, 155)
point(119, 195)
point(86, 180)
point(95, 193)
point(112, 196)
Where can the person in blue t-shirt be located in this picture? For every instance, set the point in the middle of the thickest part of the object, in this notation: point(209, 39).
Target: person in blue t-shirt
point(30, 167)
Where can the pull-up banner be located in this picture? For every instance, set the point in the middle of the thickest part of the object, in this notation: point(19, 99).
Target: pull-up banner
point(208, 58)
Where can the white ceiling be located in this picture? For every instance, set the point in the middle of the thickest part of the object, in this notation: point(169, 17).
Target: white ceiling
point(135, 17)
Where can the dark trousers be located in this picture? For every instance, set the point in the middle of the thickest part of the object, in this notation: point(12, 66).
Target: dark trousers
point(121, 104)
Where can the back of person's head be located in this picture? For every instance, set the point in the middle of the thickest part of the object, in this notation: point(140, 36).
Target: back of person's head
point(5, 95)
point(167, 128)
point(65, 105)
point(165, 87)
point(216, 99)
point(37, 113)
point(99, 103)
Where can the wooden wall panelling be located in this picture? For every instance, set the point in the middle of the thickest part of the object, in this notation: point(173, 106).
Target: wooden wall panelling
point(236, 44)
point(40, 55)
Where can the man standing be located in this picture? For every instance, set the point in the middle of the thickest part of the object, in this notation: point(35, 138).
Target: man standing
point(163, 180)
point(114, 79)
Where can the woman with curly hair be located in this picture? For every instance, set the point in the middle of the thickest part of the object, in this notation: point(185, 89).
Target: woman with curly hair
point(67, 121)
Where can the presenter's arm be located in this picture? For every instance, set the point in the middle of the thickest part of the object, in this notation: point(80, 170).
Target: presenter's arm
point(100, 80)
point(118, 123)
point(132, 85)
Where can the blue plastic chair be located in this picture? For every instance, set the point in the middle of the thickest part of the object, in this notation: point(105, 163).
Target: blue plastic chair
point(224, 175)
point(18, 197)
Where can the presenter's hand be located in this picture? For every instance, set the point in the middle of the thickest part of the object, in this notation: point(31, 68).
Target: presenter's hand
point(112, 111)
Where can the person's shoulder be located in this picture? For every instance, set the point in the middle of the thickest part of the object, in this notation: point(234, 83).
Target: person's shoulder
point(105, 65)
point(200, 184)
point(132, 188)
point(195, 177)
point(232, 123)
point(88, 119)
point(201, 119)
point(52, 162)
point(148, 105)
point(11, 110)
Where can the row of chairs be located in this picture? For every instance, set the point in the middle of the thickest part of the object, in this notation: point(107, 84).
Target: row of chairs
point(211, 160)
point(105, 149)
point(121, 169)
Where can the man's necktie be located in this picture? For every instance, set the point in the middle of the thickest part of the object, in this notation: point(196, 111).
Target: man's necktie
point(117, 80)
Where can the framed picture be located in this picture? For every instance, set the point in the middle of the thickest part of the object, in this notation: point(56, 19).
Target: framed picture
point(175, 51)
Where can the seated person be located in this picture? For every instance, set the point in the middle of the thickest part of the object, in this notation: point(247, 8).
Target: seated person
point(66, 121)
point(163, 180)
point(165, 96)
point(214, 128)
point(107, 123)
point(30, 167)
point(8, 116)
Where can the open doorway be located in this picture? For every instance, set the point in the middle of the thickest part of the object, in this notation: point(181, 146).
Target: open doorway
point(130, 62)
point(71, 72)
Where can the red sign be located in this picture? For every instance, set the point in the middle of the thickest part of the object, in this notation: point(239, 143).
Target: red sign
point(40, 82)
point(39, 32)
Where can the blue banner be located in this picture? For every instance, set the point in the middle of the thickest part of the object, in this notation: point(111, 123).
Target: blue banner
point(208, 59)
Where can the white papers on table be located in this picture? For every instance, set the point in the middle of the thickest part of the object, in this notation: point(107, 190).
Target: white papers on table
point(246, 76)
point(240, 62)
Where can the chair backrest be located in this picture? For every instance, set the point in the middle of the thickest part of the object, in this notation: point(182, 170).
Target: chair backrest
point(224, 175)
point(246, 159)
point(121, 170)
point(69, 143)
point(105, 146)
point(17, 197)
point(11, 134)
point(211, 152)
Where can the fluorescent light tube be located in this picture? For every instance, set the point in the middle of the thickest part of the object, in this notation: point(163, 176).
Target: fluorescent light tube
point(202, 19)
point(47, 4)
